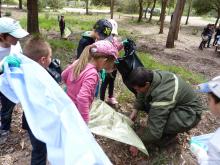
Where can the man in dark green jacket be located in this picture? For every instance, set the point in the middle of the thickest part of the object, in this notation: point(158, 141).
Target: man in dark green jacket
point(171, 104)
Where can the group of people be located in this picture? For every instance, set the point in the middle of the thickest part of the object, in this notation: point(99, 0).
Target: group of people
point(207, 34)
point(171, 104)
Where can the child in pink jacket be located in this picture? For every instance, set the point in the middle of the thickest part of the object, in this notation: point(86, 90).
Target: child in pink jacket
point(82, 76)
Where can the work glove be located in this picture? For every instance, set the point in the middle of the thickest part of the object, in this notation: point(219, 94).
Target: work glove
point(12, 61)
point(124, 42)
point(103, 75)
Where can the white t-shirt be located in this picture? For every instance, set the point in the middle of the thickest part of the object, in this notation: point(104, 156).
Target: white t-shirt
point(213, 152)
point(13, 49)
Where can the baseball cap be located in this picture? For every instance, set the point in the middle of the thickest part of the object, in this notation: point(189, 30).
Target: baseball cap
point(210, 86)
point(114, 26)
point(103, 27)
point(104, 47)
point(12, 27)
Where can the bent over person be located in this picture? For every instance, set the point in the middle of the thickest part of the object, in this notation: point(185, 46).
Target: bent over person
point(172, 105)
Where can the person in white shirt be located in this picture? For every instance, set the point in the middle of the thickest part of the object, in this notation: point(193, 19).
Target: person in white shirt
point(10, 33)
point(213, 153)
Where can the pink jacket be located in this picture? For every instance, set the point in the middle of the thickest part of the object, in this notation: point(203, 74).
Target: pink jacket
point(81, 89)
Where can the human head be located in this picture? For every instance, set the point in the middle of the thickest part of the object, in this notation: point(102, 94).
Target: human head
point(62, 16)
point(37, 49)
point(102, 53)
point(102, 29)
point(114, 26)
point(11, 31)
point(140, 79)
point(213, 89)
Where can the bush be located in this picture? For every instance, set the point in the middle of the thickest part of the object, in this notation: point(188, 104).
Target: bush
point(7, 13)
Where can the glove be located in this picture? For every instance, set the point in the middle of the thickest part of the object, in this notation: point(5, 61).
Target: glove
point(12, 61)
point(124, 42)
point(103, 75)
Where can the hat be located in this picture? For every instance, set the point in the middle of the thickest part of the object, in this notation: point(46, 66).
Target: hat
point(211, 86)
point(104, 47)
point(114, 26)
point(12, 27)
point(103, 27)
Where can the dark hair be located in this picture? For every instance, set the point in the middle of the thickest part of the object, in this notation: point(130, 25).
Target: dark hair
point(139, 76)
point(216, 98)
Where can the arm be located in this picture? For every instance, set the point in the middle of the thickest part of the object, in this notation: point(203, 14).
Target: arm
point(65, 73)
point(157, 120)
point(86, 94)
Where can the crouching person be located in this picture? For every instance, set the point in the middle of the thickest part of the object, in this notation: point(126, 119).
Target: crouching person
point(172, 105)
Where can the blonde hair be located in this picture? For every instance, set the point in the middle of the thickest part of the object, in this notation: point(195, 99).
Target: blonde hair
point(85, 58)
point(36, 47)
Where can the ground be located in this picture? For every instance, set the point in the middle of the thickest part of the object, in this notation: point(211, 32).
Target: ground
point(15, 149)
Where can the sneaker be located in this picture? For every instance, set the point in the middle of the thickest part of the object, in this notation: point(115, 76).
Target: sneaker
point(112, 100)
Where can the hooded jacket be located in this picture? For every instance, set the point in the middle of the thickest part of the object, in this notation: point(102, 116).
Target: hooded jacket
point(174, 106)
point(81, 89)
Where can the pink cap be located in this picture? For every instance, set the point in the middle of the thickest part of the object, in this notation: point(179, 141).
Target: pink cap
point(105, 47)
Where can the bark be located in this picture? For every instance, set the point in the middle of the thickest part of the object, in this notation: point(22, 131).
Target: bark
point(162, 15)
point(112, 9)
point(180, 13)
point(216, 22)
point(174, 24)
point(20, 4)
point(152, 10)
point(32, 16)
point(87, 7)
point(188, 13)
point(140, 10)
point(0, 8)
point(148, 5)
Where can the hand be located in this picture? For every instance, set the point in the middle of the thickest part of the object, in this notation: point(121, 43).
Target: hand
point(133, 115)
point(124, 42)
point(133, 150)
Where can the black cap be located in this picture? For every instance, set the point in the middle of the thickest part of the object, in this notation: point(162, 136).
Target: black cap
point(103, 27)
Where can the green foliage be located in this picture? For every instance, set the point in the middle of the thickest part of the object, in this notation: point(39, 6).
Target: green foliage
point(7, 13)
point(10, 2)
point(100, 2)
point(56, 4)
point(128, 6)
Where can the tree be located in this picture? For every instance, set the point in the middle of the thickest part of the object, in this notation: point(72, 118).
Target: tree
point(32, 16)
point(188, 12)
point(87, 7)
point(55, 4)
point(163, 14)
point(20, 4)
point(140, 10)
point(112, 8)
point(152, 10)
point(173, 30)
point(205, 6)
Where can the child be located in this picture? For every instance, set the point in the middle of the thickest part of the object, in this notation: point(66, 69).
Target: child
point(82, 76)
point(10, 32)
point(38, 50)
point(62, 26)
point(110, 77)
point(212, 88)
point(101, 30)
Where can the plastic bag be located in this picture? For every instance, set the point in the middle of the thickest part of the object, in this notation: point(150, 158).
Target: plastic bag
point(51, 115)
point(104, 121)
point(128, 62)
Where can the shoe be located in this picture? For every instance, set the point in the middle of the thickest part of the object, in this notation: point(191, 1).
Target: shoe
point(112, 100)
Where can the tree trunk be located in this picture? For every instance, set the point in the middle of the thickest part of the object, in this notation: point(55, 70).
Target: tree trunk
point(162, 15)
point(112, 9)
point(87, 7)
point(20, 4)
point(152, 10)
point(216, 22)
point(32, 16)
point(148, 5)
point(173, 26)
point(188, 13)
point(140, 10)
point(180, 13)
point(0, 8)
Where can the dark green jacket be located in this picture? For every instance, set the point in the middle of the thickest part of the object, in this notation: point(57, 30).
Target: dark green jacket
point(174, 106)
